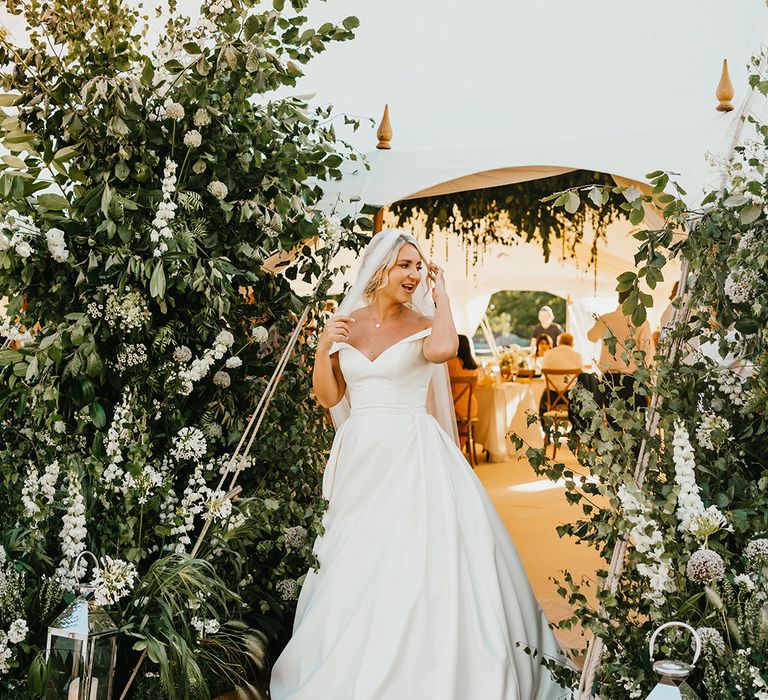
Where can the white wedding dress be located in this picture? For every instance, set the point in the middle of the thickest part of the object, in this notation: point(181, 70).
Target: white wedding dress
point(420, 594)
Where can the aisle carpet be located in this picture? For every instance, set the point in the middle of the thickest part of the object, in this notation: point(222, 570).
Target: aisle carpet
point(531, 507)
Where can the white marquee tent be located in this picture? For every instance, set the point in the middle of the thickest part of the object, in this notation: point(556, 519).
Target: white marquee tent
point(493, 92)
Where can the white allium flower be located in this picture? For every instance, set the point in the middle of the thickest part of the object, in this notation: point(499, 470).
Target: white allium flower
point(218, 189)
point(114, 580)
point(213, 430)
point(225, 338)
point(756, 553)
point(287, 589)
point(193, 139)
point(201, 117)
point(259, 334)
point(295, 537)
point(189, 443)
point(711, 640)
point(713, 431)
point(740, 285)
point(182, 354)
point(173, 110)
point(744, 581)
point(222, 379)
point(233, 362)
point(705, 566)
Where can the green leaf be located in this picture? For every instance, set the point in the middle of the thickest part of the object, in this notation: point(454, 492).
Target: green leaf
point(572, 202)
point(53, 202)
point(7, 100)
point(157, 282)
point(65, 154)
point(750, 214)
point(97, 414)
point(94, 365)
point(13, 162)
point(106, 200)
point(10, 357)
point(351, 22)
point(636, 215)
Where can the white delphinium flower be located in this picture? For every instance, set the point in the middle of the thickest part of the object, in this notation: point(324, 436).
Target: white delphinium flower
point(259, 334)
point(161, 231)
point(205, 628)
point(43, 487)
point(331, 229)
point(73, 533)
point(189, 443)
point(712, 431)
point(233, 362)
point(711, 640)
point(744, 581)
point(193, 139)
point(740, 285)
point(119, 432)
point(114, 579)
point(218, 189)
point(732, 386)
point(200, 367)
point(693, 516)
point(57, 246)
point(172, 110)
point(201, 118)
point(182, 354)
point(705, 566)
point(190, 506)
point(648, 541)
point(222, 379)
point(288, 589)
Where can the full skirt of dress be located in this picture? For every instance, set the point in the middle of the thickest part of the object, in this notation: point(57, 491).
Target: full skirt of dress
point(420, 594)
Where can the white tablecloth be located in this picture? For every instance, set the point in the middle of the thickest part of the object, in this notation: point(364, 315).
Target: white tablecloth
point(503, 408)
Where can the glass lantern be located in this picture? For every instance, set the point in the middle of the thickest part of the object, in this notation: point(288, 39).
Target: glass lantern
point(81, 648)
point(672, 674)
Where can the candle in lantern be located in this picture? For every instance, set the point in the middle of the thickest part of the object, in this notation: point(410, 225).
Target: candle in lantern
point(94, 688)
point(74, 690)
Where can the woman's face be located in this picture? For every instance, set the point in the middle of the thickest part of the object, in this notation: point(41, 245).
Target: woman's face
point(543, 345)
point(405, 276)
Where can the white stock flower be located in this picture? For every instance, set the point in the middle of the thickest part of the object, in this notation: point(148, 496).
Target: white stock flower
point(18, 631)
point(193, 139)
point(205, 628)
point(218, 189)
point(712, 431)
point(233, 362)
point(740, 285)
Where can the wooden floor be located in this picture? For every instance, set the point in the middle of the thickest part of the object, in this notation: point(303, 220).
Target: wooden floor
point(532, 507)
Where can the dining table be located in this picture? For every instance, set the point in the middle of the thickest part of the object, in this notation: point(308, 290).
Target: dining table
point(503, 408)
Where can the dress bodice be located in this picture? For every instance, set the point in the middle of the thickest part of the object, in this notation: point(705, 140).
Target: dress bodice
point(398, 378)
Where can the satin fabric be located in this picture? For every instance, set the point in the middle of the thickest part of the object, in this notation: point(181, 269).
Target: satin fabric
point(420, 594)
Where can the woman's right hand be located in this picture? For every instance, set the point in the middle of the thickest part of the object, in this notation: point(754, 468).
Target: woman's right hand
point(336, 330)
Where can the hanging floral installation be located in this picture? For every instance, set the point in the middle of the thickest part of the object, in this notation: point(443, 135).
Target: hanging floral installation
point(511, 213)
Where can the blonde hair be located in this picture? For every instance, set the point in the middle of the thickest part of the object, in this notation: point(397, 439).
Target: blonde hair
point(379, 278)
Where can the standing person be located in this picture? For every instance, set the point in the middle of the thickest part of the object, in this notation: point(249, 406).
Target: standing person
point(545, 326)
point(420, 591)
point(618, 366)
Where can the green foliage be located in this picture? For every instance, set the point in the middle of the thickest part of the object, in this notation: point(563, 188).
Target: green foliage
point(710, 380)
point(142, 194)
point(520, 211)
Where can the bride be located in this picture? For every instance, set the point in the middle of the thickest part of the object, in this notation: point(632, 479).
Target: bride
point(420, 593)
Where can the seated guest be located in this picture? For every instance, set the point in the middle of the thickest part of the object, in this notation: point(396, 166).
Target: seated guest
point(561, 357)
point(617, 371)
point(543, 346)
point(545, 326)
point(463, 365)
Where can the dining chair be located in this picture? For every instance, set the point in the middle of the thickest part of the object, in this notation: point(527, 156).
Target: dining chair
point(556, 401)
point(467, 422)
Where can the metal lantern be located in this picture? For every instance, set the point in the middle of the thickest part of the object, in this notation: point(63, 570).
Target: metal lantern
point(672, 674)
point(81, 648)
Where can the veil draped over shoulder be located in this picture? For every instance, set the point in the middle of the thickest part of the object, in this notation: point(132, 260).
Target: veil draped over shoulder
point(440, 399)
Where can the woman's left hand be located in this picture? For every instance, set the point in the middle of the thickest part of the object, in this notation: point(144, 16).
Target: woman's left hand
point(437, 278)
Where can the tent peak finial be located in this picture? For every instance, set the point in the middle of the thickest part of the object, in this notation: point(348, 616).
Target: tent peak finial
point(384, 132)
point(724, 92)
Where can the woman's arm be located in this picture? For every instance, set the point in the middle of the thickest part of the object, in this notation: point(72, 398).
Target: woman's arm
point(327, 380)
point(442, 344)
